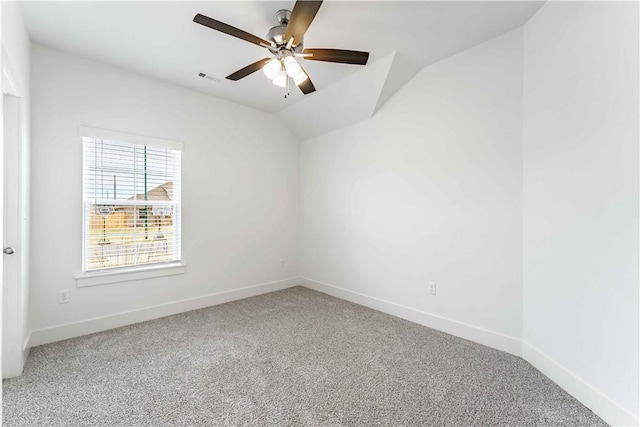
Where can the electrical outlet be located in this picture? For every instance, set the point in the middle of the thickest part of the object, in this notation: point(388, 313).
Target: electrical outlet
point(431, 288)
point(282, 262)
point(63, 296)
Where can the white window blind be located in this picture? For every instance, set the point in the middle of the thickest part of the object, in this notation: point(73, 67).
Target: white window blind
point(131, 203)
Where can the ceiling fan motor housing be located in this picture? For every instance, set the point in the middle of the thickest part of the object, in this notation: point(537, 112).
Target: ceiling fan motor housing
point(276, 35)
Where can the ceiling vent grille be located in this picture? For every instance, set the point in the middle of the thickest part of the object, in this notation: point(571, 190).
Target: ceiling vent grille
point(210, 77)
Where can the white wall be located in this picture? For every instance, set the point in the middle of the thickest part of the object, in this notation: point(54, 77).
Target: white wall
point(16, 58)
point(437, 186)
point(429, 189)
point(581, 198)
point(240, 187)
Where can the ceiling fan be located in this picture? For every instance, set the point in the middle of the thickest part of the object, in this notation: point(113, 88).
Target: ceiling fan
point(285, 42)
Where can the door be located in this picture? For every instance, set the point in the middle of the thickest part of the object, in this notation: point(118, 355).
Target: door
point(14, 296)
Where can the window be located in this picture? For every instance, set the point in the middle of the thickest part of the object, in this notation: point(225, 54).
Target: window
point(131, 198)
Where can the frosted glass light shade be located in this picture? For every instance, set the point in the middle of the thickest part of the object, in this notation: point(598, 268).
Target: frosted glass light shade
point(281, 79)
point(301, 77)
point(272, 69)
point(292, 66)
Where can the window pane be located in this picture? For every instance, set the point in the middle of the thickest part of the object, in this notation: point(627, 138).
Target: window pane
point(120, 228)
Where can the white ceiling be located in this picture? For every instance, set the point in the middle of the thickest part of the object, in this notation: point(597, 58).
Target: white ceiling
point(160, 40)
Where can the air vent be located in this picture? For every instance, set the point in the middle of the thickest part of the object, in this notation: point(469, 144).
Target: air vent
point(210, 77)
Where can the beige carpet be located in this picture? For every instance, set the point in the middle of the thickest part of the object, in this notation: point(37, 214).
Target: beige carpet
point(290, 358)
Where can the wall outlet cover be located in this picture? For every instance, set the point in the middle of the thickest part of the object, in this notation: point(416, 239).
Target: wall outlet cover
point(431, 288)
point(63, 296)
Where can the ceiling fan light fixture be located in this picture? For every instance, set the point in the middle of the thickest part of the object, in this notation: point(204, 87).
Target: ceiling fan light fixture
point(300, 78)
point(281, 79)
point(291, 66)
point(272, 69)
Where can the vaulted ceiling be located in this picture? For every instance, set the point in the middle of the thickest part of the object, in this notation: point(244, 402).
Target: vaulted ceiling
point(160, 39)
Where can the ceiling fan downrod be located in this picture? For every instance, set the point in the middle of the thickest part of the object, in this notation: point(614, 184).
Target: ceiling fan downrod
point(283, 16)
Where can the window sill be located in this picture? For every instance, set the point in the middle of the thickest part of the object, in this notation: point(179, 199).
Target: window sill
point(127, 275)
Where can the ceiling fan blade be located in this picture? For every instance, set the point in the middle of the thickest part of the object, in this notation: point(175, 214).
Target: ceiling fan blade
point(337, 55)
point(228, 29)
point(306, 86)
point(301, 17)
point(249, 69)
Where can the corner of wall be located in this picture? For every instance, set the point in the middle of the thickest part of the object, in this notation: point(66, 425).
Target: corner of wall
point(576, 386)
point(469, 332)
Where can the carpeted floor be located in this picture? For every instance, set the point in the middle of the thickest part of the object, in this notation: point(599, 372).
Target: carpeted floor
point(294, 357)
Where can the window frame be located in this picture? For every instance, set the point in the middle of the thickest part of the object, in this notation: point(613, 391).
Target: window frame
point(137, 271)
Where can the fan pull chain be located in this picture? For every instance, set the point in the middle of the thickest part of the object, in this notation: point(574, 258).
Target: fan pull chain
point(286, 89)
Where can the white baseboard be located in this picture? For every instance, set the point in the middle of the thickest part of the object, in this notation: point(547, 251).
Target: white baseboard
point(25, 349)
point(592, 398)
point(98, 324)
point(460, 329)
point(588, 395)
point(595, 400)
